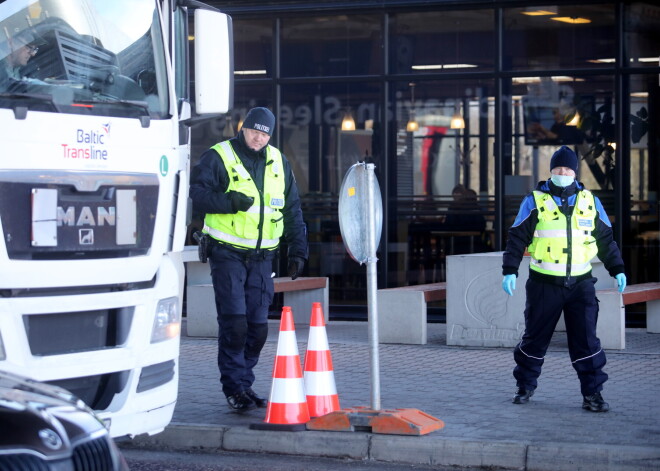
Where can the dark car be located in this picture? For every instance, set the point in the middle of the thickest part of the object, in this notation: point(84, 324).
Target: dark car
point(46, 428)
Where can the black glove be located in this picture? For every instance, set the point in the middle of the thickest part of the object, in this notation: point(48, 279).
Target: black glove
point(239, 201)
point(296, 265)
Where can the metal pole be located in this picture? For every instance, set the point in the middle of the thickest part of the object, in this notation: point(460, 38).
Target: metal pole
point(372, 287)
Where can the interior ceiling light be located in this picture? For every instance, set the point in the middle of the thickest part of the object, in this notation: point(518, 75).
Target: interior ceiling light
point(538, 13)
point(412, 126)
point(571, 20)
point(556, 78)
point(348, 123)
point(249, 72)
point(457, 121)
point(458, 66)
point(443, 66)
point(602, 61)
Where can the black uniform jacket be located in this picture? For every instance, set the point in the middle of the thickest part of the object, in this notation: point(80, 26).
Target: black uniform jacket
point(522, 232)
point(209, 182)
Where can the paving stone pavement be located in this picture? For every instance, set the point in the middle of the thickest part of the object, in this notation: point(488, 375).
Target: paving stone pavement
point(470, 390)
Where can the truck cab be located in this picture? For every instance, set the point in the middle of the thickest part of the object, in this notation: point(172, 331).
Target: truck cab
point(95, 106)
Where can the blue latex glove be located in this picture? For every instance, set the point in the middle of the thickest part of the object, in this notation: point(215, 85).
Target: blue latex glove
point(509, 284)
point(621, 281)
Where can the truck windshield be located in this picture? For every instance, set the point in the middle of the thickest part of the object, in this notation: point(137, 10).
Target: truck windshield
point(98, 57)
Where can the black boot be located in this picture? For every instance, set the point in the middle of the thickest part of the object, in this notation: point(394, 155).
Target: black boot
point(240, 402)
point(595, 403)
point(258, 400)
point(522, 396)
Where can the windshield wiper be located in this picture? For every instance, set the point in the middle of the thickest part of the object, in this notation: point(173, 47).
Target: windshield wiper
point(19, 108)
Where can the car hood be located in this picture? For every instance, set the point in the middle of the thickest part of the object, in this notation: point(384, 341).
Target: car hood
point(43, 419)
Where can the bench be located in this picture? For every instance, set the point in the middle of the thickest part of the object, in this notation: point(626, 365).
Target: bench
point(299, 294)
point(612, 315)
point(402, 312)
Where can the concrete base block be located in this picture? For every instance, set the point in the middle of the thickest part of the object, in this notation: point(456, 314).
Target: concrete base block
point(611, 327)
point(401, 317)
point(301, 304)
point(481, 314)
point(653, 316)
point(202, 314)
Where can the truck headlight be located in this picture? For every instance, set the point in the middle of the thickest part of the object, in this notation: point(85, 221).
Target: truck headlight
point(3, 356)
point(167, 323)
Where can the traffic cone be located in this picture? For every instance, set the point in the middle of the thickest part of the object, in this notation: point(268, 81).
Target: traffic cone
point(287, 408)
point(319, 376)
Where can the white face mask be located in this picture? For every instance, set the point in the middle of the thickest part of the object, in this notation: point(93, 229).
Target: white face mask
point(562, 180)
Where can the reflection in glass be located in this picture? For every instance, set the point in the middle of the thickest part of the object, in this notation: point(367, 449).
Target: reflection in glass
point(79, 62)
point(331, 46)
point(644, 244)
point(253, 46)
point(449, 41)
point(641, 34)
point(540, 42)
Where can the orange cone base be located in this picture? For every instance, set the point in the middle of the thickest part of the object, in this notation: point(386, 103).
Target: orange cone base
point(391, 422)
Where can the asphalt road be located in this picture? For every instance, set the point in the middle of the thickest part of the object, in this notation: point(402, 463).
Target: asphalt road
point(144, 460)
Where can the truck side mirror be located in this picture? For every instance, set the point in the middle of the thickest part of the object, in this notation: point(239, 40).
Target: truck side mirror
point(214, 62)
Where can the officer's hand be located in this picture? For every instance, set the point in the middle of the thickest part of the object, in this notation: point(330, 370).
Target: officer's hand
point(239, 201)
point(621, 281)
point(509, 284)
point(296, 265)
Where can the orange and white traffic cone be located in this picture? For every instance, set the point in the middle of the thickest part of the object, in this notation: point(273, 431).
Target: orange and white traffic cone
point(287, 408)
point(319, 375)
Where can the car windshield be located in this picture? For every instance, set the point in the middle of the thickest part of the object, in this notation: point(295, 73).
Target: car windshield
point(100, 57)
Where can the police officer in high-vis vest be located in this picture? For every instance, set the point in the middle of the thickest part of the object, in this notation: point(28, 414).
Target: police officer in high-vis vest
point(248, 192)
point(563, 226)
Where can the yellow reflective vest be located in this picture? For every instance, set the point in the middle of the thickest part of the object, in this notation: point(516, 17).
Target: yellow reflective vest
point(261, 226)
point(558, 249)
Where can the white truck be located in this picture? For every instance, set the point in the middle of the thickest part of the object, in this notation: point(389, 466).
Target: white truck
point(94, 167)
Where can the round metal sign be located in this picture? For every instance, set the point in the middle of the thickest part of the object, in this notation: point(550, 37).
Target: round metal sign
point(354, 212)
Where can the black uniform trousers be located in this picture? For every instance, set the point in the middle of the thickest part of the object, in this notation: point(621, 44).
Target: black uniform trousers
point(243, 292)
point(543, 307)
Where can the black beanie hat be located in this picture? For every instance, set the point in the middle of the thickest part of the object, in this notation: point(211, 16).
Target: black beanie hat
point(564, 157)
point(260, 119)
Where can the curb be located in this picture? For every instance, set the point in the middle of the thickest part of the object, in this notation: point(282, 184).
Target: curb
point(417, 450)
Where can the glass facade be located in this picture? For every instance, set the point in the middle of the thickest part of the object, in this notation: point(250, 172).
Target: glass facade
point(447, 98)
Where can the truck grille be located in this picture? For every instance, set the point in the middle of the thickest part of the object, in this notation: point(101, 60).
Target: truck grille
point(51, 334)
point(96, 391)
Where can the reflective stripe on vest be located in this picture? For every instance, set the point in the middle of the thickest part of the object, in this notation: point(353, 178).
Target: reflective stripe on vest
point(549, 247)
point(216, 234)
point(245, 229)
point(552, 267)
